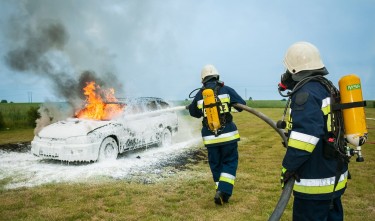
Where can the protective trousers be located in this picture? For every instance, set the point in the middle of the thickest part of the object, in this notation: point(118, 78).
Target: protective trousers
point(317, 210)
point(223, 161)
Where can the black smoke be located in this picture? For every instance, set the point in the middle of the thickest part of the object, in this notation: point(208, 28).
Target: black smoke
point(28, 56)
point(41, 53)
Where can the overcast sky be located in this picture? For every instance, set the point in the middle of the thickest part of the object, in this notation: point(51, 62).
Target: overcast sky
point(158, 47)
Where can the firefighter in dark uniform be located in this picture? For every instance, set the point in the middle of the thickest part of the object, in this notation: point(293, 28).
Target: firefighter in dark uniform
point(222, 147)
point(320, 175)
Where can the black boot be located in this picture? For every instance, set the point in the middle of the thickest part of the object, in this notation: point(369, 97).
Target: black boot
point(218, 198)
point(221, 198)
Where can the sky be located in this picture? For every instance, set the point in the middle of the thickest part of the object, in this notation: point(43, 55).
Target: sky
point(157, 48)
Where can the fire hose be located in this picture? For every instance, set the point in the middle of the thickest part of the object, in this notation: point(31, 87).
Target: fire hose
point(264, 118)
point(283, 201)
point(288, 187)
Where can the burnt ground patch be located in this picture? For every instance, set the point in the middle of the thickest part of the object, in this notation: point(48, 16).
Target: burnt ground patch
point(21, 147)
point(182, 162)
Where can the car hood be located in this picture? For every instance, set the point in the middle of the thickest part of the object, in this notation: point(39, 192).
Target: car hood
point(71, 127)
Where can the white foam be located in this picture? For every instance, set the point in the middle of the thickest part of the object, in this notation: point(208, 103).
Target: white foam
point(26, 170)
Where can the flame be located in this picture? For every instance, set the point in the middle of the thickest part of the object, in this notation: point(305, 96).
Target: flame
point(95, 107)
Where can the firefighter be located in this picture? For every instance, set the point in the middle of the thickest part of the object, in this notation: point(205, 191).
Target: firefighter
point(221, 144)
point(320, 172)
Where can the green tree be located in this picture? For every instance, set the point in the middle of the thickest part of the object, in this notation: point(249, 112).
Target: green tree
point(2, 123)
point(32, 115)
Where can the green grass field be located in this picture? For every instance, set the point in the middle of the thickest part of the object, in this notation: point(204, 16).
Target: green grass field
point(188, 194)
point(17, 115)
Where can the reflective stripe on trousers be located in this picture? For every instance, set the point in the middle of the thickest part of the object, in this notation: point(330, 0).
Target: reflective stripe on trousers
point(228, 178)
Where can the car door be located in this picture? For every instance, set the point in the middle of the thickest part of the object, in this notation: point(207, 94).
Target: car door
point(152, 122)
point(139, 127)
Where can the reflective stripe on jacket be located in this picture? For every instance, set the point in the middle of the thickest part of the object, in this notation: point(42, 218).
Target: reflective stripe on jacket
point(320, 186)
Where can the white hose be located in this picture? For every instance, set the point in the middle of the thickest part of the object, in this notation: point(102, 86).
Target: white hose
point(156, 112)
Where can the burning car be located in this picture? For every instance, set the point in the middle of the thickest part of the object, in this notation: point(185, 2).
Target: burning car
point(143, 122)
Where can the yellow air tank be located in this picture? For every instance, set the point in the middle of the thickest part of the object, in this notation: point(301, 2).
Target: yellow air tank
point(211, 110)
point(354, 117)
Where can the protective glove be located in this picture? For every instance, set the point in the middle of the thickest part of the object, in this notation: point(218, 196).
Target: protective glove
point(286, 175)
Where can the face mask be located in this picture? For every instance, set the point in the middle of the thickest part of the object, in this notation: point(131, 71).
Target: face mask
point(287, 82)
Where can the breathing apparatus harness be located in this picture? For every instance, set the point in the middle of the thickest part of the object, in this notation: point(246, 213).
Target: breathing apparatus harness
point(337, 135)
point(215, 117)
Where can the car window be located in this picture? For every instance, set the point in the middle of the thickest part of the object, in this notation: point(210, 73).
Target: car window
point(141, 105)
point(133, 109)
point(164, 105)
point(151, 106)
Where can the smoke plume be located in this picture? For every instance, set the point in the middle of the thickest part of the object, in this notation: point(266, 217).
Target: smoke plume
point(42, 54)
point(29, 57)
point(51, 113)
point(39, 50)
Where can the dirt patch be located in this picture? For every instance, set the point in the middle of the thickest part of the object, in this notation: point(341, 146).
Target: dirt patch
point(182, 162)
point(168, 167)
point(21, 147)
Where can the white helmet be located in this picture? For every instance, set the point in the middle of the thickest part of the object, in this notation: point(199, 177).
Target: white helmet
point(209, 70)
point(302, 56)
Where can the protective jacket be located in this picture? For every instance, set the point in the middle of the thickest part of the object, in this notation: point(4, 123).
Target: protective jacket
point(227, 96)
point(222, 147)
point(309, 128)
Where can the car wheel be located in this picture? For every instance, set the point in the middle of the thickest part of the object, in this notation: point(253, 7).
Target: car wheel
point(166, 138)
point(108, 149)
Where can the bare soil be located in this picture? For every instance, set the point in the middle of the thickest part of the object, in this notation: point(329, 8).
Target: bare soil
point(21, 147)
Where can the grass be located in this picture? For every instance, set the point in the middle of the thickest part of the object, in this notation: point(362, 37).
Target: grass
point(266, 103)
point(188, 194)
point(16, 135)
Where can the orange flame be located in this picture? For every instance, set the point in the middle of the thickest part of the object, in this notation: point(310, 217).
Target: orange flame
point(95, 107)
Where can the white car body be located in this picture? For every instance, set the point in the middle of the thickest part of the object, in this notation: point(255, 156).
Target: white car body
point(83, 140)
